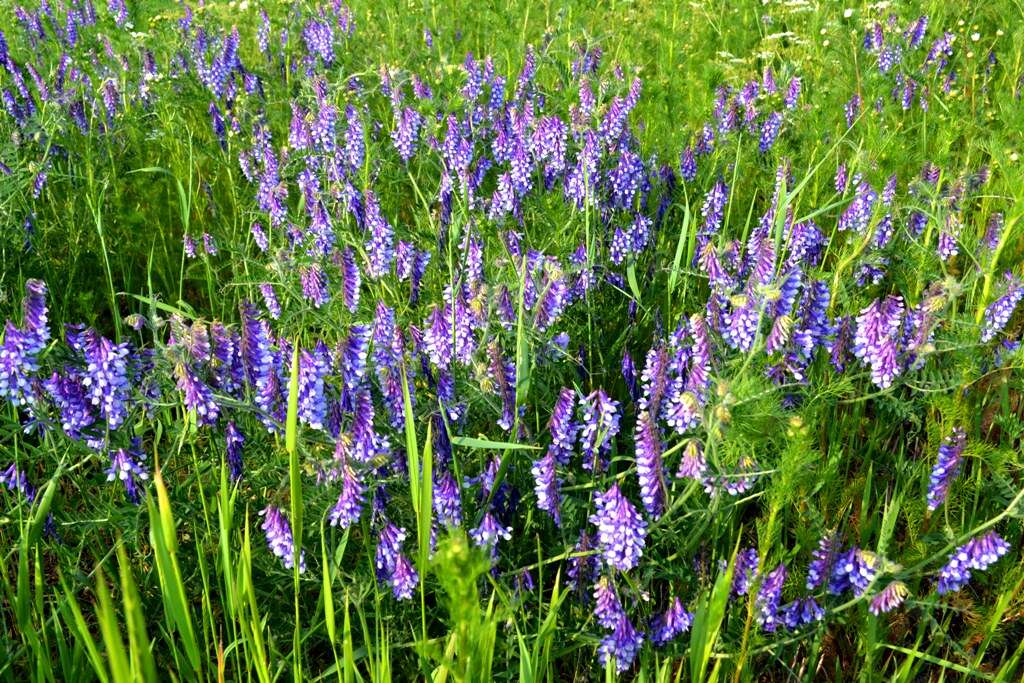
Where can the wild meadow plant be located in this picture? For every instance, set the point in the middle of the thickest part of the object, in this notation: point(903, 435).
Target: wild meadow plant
point(650, 341)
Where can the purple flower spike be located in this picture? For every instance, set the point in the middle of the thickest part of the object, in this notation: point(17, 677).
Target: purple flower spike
point(878, 333)
point(692, 465)
point(234, 440)
point(853, 570)
point(607, 607)
point(562, 426)
point(946, 467)
point(801, 612)
point(649, 467)
point(403, 578)
point(279, 537)
point(669, 625)
point(891, 597)
point(546, 484)
point(744, 572)
point(106, 376)
point(621, 529)
point(600, 425)
point(130, 472)
point(622, 645)
point(999, 312)
point(349, 506)
point(977, 554)
point(767, 600)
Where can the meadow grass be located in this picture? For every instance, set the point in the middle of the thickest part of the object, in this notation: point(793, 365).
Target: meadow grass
point(181, 585)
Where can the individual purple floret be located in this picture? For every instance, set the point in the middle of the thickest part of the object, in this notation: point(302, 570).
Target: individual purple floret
point(279, 537)
point(768, 595)
point(127, 468)
point(977, 554)
point(891, 597)
point(946, 467)
point(671, 623)
point(999, 311)
point(621, 529)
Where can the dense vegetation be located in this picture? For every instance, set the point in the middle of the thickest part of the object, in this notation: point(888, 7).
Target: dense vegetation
point(548, 341)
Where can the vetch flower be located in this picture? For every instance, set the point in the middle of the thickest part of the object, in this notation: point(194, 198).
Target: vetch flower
point(875, 342)
point(977, 554)
point(127, 468)
point(546, 485)
point(649, 466)
point(622, 645)
point(946, 467)
point(279, 537)
point(621, 529)
point(891, 597)
point(800, 613)
point(234, 439)
point(767, 601)
point(998, 313)
point(668, 625)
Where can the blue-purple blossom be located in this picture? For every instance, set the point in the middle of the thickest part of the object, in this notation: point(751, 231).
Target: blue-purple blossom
point(876, 340)
point(649, 467)
point(853, 570)
point(621, 529)
point(607, 607)
point(977, 554)
point(349, 505)
point(546, 483)
point(622, 645)
point(947, 466)
point(800, 612)
point(998, 313)
point(673, 622)
point(768, 595)
point(127, 468)
point(447, 500)
point(600, 424)
point(744, 571)
point(234, 440)
point(891, 597)
point(106, 376)
point(314, 284)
